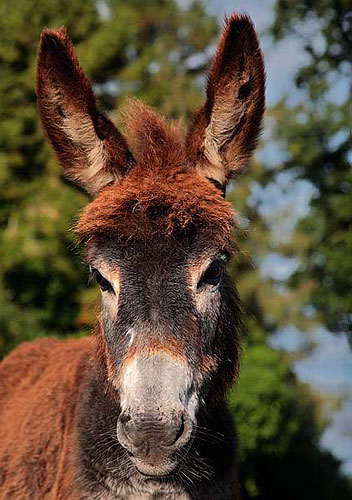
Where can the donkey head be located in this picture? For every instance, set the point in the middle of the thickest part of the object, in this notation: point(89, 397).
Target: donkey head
point(157, 237)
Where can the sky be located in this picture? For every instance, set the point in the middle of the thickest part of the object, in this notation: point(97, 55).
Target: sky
point(328, 369)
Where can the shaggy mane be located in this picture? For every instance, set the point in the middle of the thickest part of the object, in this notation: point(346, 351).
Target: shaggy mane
point(169, 204)
point(154, 141)
point(161, 195)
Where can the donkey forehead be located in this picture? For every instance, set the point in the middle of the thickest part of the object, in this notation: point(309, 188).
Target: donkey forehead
point(158, 256)
point(174, 206)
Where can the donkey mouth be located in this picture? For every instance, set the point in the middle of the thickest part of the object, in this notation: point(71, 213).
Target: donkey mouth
point(155, 444)
point(148, 470)
point(162, 467)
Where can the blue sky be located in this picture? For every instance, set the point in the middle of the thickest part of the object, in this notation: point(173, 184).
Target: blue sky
point(328, 369)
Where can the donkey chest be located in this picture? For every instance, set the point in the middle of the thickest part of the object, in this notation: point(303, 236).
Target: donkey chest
point(139, 496)
point(142, 493)
point(172, 494)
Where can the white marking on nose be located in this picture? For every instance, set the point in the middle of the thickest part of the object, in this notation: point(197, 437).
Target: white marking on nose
point(131, 335)
point(192, 406)
point(157, 381)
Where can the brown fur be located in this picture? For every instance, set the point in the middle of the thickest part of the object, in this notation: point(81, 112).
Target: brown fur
point(161, 194)
point(168, 202)
point(154, 142)
point(67, 106)
point(40, 385)
point(157, 191)
point(225, 130)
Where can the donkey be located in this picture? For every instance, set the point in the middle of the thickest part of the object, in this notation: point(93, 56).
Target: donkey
point(137, 410)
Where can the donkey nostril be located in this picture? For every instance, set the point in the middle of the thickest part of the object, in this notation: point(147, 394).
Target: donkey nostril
point(144, 437)
point(124, 432)
point(180, 430)
point(124, 419)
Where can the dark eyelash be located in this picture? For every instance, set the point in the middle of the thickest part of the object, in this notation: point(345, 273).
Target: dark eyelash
point(103, 283)
point(91, 276)
point(213, 274)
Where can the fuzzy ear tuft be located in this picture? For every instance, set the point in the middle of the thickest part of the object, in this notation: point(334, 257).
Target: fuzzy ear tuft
point(91, 150)
point(154, 142)
point(225, 130)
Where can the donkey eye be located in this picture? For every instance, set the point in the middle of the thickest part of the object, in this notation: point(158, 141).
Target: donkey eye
point(213, 274)
point(105, 285)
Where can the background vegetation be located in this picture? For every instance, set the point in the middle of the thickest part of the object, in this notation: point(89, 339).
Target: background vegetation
point(159, 51)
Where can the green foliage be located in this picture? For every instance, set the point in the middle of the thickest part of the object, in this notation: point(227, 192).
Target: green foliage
point(317, 134)
point(278, 419)
point(261, 403)
point(278, 425)
point(154, 50)
point(124, 46)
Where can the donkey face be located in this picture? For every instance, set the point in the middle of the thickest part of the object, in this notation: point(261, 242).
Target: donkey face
point(157, 238)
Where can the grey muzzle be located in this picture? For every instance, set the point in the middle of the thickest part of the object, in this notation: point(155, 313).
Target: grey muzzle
point(158, 411)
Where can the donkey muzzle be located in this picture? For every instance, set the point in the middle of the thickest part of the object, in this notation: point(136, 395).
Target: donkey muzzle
point(158, 412)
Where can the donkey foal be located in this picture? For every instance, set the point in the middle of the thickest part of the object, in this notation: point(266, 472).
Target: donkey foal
point(138, 410)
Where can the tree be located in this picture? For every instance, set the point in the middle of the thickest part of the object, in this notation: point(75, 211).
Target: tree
point(151, 48)
point(279, 420)
point(317, 135)
point(279, 427)
point(158, 51)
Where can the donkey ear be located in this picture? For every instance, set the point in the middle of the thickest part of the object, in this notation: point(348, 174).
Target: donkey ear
point(225, 130)
point(91, 150)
